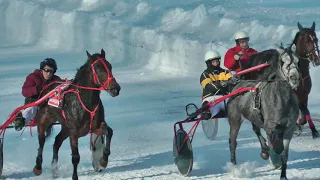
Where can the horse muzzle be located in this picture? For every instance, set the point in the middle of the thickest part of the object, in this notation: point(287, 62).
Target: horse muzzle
point(114, 90)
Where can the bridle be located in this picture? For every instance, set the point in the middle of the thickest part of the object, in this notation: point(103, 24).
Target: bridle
point(286, 74)
point(308, 53)
point(96, 79)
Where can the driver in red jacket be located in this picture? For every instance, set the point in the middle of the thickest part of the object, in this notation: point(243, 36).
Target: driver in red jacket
point(236, 57)
point(32, 87)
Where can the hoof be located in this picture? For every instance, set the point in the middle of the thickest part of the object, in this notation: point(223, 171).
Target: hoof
point(315, 134)
point(55, 176)
point(54, 171)
point(298, 130)
point(97, 169)
point(103, 163)
point(264, 155)
point(36, 171)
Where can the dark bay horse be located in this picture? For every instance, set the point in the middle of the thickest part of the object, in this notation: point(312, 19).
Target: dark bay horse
point(272, 107)
point(81, 112)
point(306, 43)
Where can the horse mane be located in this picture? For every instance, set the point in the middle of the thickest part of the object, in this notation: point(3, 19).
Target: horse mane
point(270, 56)
point(83, 70)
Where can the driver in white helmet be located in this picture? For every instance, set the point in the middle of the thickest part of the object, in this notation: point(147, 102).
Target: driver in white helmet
point(236, 57)
point(215, 82)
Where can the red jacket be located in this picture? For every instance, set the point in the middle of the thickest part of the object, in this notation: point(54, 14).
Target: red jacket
point(33, 80)
point(230, 62)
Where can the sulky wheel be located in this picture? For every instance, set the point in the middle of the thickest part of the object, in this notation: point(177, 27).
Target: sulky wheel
point(184, 158)
point(1, 156)
point(210, 128)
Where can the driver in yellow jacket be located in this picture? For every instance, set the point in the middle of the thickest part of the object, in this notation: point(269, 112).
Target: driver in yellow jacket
point(215, 82)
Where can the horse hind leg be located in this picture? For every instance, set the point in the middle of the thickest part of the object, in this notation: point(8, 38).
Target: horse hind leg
point(264, 148)
point(42, 125)
point(63, 134)
point(235, 123)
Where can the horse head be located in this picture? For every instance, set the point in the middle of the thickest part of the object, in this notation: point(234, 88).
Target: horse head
point(288, 66)
point(101, 73)
point(306, 43)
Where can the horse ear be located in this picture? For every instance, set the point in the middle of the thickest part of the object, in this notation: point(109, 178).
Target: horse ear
point(103, 54)
point(89, 55)
point(281, 46)
point(300, 27)
point(313, 27)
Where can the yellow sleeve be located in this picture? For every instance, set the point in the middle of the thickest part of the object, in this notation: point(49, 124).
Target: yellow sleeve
point(228, 75)
point(205, 82)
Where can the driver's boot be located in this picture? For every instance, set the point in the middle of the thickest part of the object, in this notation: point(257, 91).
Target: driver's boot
point(206, 114)
point(19, 122)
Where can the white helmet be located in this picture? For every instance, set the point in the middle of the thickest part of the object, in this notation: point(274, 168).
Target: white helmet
point(240, 35)
point(212, 55)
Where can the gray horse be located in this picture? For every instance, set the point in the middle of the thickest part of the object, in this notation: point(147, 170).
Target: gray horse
point(272, 107)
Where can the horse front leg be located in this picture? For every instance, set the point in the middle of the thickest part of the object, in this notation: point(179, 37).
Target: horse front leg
point(75, 155)
point(284, 159)
point(63, 134)
point(108, 132)
point(264, 147)
point(306, 118)
point(37, 170)
point(234, 130)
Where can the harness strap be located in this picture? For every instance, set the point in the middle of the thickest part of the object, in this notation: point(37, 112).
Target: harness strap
point(92, 113)
point(257, 97)
point(257, 103)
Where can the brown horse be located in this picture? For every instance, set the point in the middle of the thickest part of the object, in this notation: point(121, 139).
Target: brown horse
point(81, 111)
point(307, 50)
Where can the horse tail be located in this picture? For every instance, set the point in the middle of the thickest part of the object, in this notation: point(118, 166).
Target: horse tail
point(49, 130)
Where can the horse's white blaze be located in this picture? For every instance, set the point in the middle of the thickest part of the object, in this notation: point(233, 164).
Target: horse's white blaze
point(314, 46)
